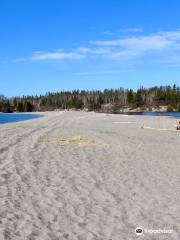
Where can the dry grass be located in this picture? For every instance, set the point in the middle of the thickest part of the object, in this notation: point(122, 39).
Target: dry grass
point(76, 140)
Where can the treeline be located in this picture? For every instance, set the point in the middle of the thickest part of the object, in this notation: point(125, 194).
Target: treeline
point(113, 100)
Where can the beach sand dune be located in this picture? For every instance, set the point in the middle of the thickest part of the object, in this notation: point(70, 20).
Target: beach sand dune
point(89, 176)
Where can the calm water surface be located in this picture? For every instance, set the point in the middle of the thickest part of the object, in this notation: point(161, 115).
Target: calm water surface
point(12, 117)
point(169, 114)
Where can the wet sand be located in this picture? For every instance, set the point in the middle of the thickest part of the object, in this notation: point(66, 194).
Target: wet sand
point(89, 176)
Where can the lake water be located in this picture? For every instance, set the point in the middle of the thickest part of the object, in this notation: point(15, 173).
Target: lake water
point(12, 117)
point(169, 114)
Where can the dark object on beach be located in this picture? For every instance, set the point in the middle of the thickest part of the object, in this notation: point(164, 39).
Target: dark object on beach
point(178, 126)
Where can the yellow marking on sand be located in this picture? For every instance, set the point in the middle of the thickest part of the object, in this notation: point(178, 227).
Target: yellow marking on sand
point(77, 140)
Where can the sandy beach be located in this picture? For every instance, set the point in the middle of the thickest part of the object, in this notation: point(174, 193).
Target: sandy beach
point(89, 176)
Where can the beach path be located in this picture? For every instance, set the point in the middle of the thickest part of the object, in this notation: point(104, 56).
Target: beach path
point(88, 176)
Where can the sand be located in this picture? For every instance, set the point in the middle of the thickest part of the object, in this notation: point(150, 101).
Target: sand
point(89, 176)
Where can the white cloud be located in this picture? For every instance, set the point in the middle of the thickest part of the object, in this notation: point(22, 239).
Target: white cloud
point(133, 47)
point(80, 53)
point(123, 30)
point(57, 55)
point(131, 30)
point(93, 50)
point(139, 46)
point(172, 35)
point(160, 45)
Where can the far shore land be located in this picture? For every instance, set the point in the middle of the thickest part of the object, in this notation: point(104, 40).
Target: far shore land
point(74, 175)
point(108, 108)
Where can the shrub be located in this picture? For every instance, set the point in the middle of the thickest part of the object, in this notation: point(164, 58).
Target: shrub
point(169, 108)
point(178, 107)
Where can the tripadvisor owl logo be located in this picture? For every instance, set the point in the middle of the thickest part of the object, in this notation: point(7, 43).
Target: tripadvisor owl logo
point(139, 231)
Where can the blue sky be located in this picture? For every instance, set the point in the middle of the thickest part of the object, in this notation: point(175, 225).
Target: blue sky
point(53, 45)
